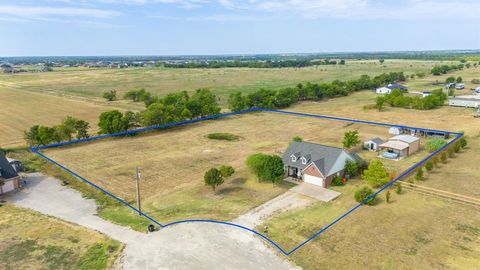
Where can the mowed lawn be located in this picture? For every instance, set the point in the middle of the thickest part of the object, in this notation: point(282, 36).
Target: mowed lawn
point(29, 240)
point(174, 161)
point(19, 110)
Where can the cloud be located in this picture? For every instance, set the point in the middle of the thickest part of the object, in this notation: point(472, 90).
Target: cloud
point(40, 11)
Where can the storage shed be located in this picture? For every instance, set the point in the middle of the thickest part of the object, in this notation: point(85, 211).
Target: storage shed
point(372, 144)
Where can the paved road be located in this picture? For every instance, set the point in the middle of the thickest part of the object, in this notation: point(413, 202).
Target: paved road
point(183, 246)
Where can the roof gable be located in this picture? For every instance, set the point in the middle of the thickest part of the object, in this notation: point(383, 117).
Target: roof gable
point(6, 169)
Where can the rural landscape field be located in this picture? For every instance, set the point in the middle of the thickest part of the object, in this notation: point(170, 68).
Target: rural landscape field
point(230, 134)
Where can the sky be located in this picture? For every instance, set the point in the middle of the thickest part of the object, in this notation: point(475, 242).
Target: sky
point(190, 27)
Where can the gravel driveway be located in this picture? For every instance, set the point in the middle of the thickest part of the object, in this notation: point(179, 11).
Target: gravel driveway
point(183, 246)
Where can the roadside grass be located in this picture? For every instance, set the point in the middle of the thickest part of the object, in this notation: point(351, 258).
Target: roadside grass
point(29, 240)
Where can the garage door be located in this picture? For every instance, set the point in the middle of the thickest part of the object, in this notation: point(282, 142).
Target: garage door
point(313, 180)
point(8, 186)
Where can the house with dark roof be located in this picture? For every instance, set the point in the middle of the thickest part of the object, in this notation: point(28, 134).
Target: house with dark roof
point(390, 87)
point(9, 176)
point(315, 163)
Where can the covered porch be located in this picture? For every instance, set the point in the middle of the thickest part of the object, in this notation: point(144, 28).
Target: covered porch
point(393, 150)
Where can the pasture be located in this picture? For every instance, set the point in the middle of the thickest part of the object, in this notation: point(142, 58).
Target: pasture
point(34, 241)
point(174, 161)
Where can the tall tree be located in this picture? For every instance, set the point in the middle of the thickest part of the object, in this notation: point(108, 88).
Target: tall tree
point(376, 174)
point(351, 139)
point(213, 178)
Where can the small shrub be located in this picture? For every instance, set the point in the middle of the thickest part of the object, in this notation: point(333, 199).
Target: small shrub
point(110, 95)
point(297, 139)
point(429, 166)
point(223, 136)
point(443, 157)
point(451, 152)
point(463, 142)
point(435, 144)
point(435, 161)
point(387, 196)
point(457, 147)
point(419, 174)
point(398, 190)
point(226, 171)
point(337, 181)
point(213, 178)
point(351, 168)
point(363, 193)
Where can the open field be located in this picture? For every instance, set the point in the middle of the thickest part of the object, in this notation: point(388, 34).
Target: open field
point(173, 162)
point(19, 110)
point(160, 81)
point(29, 240)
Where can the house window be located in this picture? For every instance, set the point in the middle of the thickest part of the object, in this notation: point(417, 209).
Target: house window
point(294, 158)
point(304, 161)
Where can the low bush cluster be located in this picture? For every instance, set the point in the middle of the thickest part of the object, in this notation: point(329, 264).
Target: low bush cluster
point(398, 99)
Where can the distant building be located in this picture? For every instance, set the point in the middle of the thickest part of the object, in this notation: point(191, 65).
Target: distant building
point(9, 176)
point(390, 87)
point(372, 144)
point(426, 93)
point(6, 68)
point(472, 101)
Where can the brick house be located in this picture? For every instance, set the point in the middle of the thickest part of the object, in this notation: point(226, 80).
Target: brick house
point(315, 163)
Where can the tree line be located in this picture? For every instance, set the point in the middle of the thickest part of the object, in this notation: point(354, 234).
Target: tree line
point(253, 64)
point(171, 108)
point(444, 69)
point(265, 98)
point(398, 99)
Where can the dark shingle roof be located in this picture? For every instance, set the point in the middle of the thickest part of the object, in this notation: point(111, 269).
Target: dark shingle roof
point(397, 86)
point(324, 157)
point(6, 170)
point(377, 140)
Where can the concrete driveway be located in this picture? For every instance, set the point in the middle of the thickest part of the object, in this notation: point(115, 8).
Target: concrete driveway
point(316, 192)
point(183, 246)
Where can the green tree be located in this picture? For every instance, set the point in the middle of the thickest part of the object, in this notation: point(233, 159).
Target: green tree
point(203, 103)
point(351, 139)
point(351, 168)
point(379, 102)
point(237, 102)
point(463, 142)
point(266, 167)
point(381, 61)
point(297, 139)
point(450, 79)
point(110, 95)
point(376, 174)
point(459, 79)
point(213, 178)
point(112, 122)
point(226, 171)
point(364, 193)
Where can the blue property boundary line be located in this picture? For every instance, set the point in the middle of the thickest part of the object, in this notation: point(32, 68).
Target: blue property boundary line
point(37, 150)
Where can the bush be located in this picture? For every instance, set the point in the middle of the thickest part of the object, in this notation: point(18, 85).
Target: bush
point(338, 181)
point(398, 190)
point(363, 193)
point(297, 139)
point(387, 196)
point(457, 147)
point(435, 144)
point(266, 167)
point(351, 168)
point(110, 95)
point(429, 166)
point(443, 157)
point(419, 174)
point(213, 178)
point(223, 136)
point(226, 171)
point(463, 142)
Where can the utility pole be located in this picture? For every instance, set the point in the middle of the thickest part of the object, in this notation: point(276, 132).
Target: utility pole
point(138, 191)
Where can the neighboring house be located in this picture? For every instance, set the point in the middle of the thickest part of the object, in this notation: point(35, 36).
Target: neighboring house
point(400, 146)
point(372, 144)
point(315, 163)
point(390, 87)
point(6, 68)
point(472, 101)
point(9, 176)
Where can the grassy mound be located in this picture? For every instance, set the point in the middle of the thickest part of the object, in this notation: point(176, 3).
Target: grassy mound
point(223, 136)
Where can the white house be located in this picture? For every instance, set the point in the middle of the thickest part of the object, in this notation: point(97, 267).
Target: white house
point(390, 87)
point(373, 144)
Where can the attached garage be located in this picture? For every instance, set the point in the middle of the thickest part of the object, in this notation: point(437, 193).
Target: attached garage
point(313, 180)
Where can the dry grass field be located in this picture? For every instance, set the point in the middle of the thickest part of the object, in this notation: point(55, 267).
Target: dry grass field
point(174, 161)
point(19, 110)
point(29, 240)
point(93, 82)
